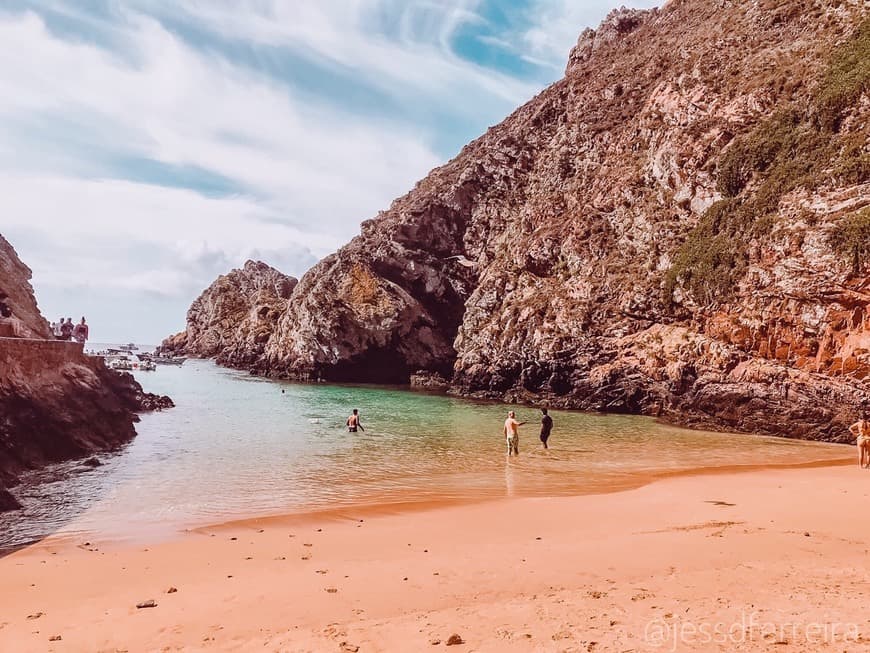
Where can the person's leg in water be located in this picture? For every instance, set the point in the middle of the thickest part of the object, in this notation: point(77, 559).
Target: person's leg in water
point(544, 439)
point(515, 445)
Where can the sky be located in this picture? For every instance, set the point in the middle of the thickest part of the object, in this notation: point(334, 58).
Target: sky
point(147, 146)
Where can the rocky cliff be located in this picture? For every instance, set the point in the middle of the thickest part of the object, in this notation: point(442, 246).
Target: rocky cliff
point(17, 294)
point(677, 228)
point(55, 402)
point(234, 318)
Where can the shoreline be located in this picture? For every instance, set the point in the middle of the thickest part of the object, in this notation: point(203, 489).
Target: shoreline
point(636, 481)
point(520, 574)
point(396, 508)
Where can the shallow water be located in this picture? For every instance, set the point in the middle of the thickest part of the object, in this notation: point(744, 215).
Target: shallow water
point(237, 446)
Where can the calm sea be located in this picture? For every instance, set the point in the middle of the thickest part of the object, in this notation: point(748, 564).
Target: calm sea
point(238, 446)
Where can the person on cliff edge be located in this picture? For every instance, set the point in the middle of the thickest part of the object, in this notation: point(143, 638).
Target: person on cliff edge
point(81, 332)
point(546, 427)
point(66, 329)
point(353, 422)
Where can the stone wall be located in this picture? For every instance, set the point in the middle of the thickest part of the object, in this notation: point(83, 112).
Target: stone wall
point(31, 357)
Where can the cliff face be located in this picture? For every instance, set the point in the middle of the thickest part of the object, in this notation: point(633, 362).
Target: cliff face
point(234, 317)
point(678, 227)
point(55, 402)
point(17, 293)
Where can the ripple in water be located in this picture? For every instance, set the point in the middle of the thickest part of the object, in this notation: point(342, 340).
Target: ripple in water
point(236, 446)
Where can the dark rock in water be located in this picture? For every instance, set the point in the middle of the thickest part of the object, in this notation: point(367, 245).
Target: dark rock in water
point(7, 501)
point(638, 238)
point(150, 402)
point(93, 461)
point(429, 380)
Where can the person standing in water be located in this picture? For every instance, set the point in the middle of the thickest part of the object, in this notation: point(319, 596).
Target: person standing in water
point(512, 433)
point(546, 427)
point(861, 429)
point(353, 422)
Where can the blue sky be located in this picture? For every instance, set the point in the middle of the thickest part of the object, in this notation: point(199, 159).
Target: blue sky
point(147, 146)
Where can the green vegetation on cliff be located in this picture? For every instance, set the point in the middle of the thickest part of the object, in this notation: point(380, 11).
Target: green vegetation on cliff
point(851, 239)
point(798, 146)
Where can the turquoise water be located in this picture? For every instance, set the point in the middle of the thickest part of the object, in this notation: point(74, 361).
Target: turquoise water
point(237, 446)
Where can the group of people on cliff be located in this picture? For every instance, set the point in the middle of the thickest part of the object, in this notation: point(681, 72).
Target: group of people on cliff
point(66, 330)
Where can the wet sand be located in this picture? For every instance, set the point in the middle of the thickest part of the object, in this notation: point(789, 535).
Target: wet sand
point(759, 560)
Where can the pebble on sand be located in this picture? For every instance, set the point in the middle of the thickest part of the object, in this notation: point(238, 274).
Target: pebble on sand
point(171, 590)
point(36, 615)
point(150, 603)
point(55, 638)
point(455, 640)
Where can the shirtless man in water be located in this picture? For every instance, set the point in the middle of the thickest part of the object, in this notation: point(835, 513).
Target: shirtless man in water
point(512, 433)
point(353, 422)
point(861, 429)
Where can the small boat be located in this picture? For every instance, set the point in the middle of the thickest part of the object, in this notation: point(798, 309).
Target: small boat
point(145, 366)
point(129, 347)
point(121, 363)
point(169, 360)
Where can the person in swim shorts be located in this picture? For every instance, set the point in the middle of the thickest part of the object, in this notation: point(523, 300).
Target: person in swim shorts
point(512, 433)
point(353, 422)
point(861, 429)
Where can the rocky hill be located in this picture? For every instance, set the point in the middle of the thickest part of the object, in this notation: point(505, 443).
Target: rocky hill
point(678, 227)
point(17, 294)
point(55, 403)
point(234, 318)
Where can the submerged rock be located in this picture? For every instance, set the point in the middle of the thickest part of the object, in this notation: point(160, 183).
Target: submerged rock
point(638, 238)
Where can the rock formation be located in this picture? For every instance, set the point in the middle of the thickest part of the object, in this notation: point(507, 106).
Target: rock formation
point(233, 319)
point(18, 296)
point(676, 228)
point(55, 402)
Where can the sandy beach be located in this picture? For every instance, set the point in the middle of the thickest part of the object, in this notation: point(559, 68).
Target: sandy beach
point(760, 560)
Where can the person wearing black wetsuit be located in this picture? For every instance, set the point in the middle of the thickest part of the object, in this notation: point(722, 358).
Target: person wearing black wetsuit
point(546, 427)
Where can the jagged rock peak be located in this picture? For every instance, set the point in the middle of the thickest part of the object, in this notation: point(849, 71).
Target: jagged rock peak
point(234, 317)
point(618, 23)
